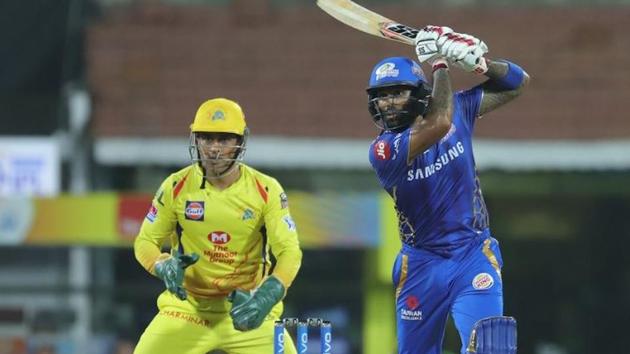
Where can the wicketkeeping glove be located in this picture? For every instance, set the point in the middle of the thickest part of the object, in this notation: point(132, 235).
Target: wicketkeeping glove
point(428, 41)
point(251, 313)
point(238, 297)
point(171, 271)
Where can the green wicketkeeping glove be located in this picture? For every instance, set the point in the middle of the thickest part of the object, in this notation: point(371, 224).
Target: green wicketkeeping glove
point(171, 271)
point(252, 312)
point(238, 297)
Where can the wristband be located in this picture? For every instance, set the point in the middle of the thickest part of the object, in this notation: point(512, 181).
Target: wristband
point(440, 64)
point(481, 67)
point(513, 78)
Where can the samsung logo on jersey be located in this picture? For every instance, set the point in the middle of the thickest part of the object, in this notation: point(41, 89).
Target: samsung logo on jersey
point(427, 171)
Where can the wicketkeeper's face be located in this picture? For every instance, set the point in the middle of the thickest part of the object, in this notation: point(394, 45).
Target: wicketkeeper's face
point(217, 151)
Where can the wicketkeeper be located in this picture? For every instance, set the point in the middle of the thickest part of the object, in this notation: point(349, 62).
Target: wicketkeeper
point(221, 219)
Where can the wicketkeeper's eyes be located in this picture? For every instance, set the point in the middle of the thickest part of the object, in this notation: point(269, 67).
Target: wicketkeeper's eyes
point(223, 139)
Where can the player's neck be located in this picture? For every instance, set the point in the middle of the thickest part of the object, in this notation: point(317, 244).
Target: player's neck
point(224, 182)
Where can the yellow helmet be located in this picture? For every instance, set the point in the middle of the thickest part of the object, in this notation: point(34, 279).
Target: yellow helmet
point(219, 115)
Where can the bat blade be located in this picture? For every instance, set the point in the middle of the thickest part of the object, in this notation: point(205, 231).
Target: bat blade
point(367, 21)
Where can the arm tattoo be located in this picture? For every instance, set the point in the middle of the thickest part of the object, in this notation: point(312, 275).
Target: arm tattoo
point(429, 129)
point(442, 95)
point(493, 95)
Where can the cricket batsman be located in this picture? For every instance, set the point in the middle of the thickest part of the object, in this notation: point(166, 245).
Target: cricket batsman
point(222, 219)
point(449, 262)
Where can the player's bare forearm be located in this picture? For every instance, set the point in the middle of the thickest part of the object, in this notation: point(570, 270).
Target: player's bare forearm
point(494, 94)
point(441, 100)
point(437, 121)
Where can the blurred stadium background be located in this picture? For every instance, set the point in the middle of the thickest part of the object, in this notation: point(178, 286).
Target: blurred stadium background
point(95, 101)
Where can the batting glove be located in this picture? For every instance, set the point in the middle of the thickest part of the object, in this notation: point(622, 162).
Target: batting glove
point(427, 42)
point(251, 313)
point(171, 271)
point(473, 61)
point(464, 51)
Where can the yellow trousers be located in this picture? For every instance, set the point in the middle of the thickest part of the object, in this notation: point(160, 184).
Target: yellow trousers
point(197, 326)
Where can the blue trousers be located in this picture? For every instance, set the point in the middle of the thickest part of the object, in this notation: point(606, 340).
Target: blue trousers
point(467, 285)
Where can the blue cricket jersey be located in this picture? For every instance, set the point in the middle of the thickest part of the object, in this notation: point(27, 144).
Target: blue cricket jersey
point(438, 197)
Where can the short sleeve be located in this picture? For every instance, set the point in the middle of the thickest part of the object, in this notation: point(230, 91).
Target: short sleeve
point(468, 103)
point(388, 157)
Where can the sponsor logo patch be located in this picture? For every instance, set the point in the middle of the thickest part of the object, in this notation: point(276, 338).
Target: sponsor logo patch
point(289, 221)
point(219, 237)
point(284, 201)
point(152, 214)
point(396, 145)
point(248, 214)
point(483, 281)
point(412, 302)
point(411, 311)
point(186, 317)
point(382, 150)
point(439, 164)
point(194, 211)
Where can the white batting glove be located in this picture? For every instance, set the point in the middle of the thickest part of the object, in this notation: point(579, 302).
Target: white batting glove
point(427, 48)
point(473, 61)
point(464, 51)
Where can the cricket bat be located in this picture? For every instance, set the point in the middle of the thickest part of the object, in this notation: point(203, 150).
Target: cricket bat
point(367, 21)
point(370, 22)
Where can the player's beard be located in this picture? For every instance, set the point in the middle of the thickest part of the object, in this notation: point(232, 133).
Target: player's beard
point(396, 119)
point(392, 115)
point(217, 167)
point(391, 118)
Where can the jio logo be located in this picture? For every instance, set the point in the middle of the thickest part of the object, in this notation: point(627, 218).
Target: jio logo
point(381, 148)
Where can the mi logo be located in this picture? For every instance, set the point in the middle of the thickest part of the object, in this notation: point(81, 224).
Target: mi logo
point(219, 237)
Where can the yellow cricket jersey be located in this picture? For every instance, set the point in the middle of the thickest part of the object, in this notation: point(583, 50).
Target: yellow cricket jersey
point(232, 230)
